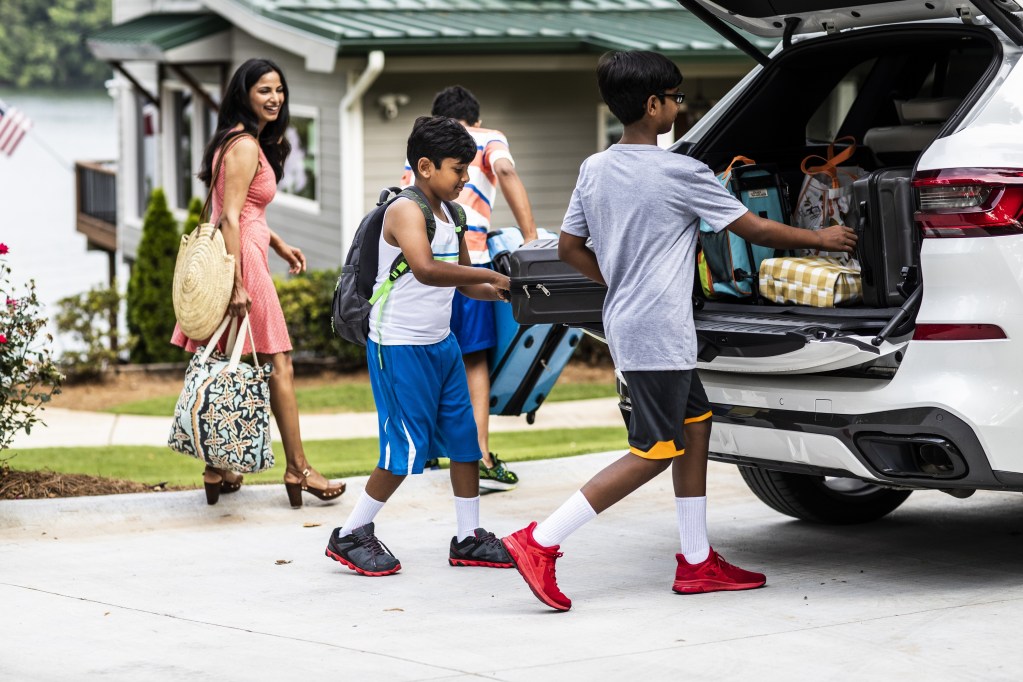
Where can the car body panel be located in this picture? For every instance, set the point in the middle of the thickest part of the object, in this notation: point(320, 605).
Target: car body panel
point(989, 135)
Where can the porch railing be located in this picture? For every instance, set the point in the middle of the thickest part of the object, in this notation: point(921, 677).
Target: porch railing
point(96, 190)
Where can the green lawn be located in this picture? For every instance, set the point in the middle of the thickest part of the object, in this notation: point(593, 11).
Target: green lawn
point(333, 458)
point(353, 396)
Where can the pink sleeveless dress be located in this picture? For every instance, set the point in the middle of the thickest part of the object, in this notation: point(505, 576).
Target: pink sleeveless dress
point(266, 318)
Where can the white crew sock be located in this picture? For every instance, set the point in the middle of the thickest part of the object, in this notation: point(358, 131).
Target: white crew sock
point(364, 512)
point(467, 515)
point(692, 528)
point(568, 518)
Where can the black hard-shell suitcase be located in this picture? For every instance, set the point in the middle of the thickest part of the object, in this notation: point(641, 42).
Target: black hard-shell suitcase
point(888, 237)
point(546, 291)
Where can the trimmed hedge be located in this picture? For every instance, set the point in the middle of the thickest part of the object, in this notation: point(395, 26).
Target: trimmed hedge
point(306, 301)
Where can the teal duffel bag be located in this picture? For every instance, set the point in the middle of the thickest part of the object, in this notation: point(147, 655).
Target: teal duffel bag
point(728, 264)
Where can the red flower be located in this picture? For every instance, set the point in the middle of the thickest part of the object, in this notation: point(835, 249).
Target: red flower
point(3, 248)
point(12, 301)
point(3, 339)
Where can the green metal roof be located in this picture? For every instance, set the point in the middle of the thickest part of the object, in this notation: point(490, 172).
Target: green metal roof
point(443, 27)
point(148, 37)
point(496, 26)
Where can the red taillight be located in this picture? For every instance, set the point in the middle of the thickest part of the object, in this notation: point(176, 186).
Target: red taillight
point(958, 332)
point(970, 202)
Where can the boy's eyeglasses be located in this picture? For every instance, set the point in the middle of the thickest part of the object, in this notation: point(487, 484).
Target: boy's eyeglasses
point(679, 97)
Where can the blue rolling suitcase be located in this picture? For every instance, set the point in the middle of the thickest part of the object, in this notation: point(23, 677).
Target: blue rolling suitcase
point(528, 359)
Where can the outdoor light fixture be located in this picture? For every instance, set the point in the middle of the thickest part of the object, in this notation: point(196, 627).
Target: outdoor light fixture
point(389, 104)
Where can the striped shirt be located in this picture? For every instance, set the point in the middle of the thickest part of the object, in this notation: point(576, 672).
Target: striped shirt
point(479, 193)
point(414, 314)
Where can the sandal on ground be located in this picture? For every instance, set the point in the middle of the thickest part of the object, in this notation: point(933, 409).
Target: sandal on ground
point(221, 485)
point(295, 490)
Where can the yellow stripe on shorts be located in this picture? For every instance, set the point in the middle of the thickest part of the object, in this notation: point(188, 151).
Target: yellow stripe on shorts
point(662, 449)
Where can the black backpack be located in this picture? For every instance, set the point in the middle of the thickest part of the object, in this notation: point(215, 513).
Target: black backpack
point(353, 295)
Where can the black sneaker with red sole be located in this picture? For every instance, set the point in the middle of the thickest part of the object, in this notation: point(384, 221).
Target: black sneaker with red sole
point(362, 552)
point(482, 548)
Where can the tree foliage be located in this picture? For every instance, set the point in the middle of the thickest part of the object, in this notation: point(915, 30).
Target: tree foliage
point(42, 42)
point(150, 308)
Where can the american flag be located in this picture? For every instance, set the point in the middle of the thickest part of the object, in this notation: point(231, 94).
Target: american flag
point(13, 126)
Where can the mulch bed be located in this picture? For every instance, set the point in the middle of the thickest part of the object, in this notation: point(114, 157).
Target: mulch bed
point(33, 485)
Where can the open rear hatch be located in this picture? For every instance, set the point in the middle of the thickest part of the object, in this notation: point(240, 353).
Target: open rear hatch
point(784, 18)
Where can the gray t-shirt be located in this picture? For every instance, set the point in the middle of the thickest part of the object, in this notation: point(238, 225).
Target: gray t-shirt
point(641, 205)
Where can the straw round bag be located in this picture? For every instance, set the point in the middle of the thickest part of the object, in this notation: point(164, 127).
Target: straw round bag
point(203, 281)
point(203, 273)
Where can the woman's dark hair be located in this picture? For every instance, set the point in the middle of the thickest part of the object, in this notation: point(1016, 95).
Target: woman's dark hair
point(627, 79)
point(458, 103)
point(235, 108)
point(438, 138)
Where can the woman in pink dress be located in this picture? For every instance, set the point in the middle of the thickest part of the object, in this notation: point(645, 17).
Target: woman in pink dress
point(252, 121)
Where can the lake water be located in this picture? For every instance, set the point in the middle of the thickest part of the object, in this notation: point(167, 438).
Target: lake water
point(37, 191)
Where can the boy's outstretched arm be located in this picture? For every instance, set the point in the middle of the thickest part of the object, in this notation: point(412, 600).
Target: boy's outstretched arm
point(493, 291)
point(515, 194)
point(573, 250)
point(405, 227)
point(765, 232)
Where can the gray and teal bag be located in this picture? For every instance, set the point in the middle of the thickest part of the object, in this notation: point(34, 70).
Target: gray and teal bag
point(353, 295)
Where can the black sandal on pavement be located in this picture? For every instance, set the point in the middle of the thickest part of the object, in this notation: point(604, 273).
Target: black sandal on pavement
point(213, 489)
point(295, 490)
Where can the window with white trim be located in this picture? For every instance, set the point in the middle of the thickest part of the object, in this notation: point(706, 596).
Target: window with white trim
point(300, 182)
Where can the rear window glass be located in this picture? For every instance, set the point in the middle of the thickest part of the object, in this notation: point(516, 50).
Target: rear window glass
point(825, 123)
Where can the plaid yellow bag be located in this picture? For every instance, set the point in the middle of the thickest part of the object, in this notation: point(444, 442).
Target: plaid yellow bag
point(814, 280)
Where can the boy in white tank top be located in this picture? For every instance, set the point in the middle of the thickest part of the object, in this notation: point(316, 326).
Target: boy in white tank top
point(415, 365)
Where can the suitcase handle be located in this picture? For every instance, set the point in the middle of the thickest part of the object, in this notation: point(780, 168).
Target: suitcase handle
point(866, 268)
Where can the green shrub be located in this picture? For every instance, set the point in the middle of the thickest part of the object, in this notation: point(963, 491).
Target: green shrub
point(306, 301)
point(194, 209)
point(87, 319)
point(150, 308)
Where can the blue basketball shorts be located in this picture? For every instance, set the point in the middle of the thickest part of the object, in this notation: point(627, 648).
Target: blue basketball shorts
point(473, 323)
point(423, 408)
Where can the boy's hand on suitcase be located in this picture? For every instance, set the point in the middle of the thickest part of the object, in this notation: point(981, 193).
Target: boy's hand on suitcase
point(836, 238)
point(502, 286)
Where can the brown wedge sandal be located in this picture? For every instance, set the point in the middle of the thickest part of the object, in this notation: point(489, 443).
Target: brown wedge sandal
point(295, 490)
point(213, 490)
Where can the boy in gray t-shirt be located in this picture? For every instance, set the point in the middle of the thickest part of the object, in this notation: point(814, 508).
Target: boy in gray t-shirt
point(642, 206)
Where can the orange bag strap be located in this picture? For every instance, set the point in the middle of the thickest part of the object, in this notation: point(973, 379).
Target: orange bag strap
point(726, 174)
point(831, 163)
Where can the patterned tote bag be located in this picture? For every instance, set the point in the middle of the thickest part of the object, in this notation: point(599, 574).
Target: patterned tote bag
point(223, 414)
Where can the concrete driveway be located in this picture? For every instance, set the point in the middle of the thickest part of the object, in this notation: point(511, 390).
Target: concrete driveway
point(162, 587)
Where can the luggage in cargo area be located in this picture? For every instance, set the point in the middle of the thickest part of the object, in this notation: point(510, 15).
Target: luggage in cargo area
point(544, 290)
point(888, 237)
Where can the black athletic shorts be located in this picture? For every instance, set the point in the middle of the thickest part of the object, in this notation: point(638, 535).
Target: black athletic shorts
point(662, 403)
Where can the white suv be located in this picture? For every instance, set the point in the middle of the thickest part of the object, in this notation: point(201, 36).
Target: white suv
point(836, 415)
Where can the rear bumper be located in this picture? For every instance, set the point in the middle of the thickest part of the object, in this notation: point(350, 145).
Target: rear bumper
point(924, 447)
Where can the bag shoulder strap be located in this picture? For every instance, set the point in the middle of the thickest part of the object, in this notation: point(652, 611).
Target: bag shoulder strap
point(229, 141)
point(400, 265)
point(830, 165)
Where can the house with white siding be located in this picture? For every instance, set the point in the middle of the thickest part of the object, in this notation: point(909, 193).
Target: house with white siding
point(359, 72)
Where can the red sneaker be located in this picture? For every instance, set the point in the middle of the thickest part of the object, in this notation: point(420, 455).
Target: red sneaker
point(713, 575)
point(536, 565)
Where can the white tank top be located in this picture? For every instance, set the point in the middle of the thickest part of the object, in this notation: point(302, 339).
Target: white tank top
point(414, 314)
